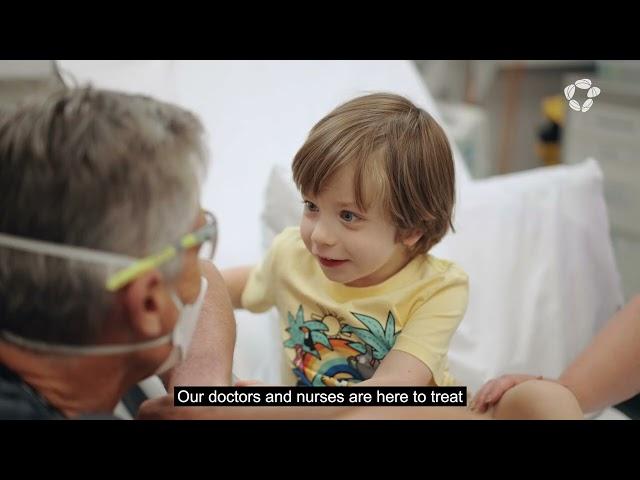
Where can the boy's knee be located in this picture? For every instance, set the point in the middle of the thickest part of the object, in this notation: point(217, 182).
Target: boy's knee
point(538, 399)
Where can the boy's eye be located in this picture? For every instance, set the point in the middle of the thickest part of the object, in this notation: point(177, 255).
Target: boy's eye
point(310, 206)
point(348, 216)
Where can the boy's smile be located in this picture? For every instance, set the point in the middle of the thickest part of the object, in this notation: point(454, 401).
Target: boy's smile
point(328, 262)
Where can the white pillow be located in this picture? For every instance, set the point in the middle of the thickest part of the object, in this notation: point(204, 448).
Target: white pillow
point(282, 204)
point(543, 278)
point(537, 250)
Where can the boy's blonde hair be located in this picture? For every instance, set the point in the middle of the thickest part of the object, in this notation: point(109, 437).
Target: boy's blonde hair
point(401, 157)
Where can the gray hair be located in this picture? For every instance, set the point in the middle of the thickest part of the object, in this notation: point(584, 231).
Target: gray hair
point(96, 169)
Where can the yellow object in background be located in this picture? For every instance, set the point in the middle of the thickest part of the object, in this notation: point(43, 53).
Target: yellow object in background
point(549, 153)
point(548, 146)
point(555, 109)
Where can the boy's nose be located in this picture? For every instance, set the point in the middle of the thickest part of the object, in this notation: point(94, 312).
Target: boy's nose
point(321, 235)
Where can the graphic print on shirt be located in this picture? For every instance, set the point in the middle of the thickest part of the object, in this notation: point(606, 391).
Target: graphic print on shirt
point(329, 352)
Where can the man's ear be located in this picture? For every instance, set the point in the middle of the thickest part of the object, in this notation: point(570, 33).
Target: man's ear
point(410, 238)
point(145, 301)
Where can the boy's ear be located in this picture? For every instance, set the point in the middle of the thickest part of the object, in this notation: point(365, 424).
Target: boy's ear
point(410, 238)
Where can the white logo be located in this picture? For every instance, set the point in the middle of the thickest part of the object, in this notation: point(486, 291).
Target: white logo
point(584, 84)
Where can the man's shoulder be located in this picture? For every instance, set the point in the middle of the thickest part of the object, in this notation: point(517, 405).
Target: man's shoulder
point(19, 402)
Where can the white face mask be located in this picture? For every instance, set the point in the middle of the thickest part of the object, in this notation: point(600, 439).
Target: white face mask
point(185, 328)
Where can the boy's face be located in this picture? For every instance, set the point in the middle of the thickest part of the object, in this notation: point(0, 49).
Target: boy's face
point(354, 247)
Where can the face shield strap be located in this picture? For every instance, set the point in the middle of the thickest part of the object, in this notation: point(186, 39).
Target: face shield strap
point(82, 349)
point(64, 251)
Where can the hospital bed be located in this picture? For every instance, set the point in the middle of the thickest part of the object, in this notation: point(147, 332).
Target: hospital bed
point(535, 244)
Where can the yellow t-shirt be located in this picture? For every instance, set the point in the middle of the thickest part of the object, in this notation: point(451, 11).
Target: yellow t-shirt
point(334, 334)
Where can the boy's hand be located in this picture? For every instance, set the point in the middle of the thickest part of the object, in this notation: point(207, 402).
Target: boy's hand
point(492, 391)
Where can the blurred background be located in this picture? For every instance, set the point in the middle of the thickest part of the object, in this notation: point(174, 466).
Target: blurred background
point(509, 116)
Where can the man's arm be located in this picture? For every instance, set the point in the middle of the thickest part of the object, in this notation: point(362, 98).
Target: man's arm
point(210, 355)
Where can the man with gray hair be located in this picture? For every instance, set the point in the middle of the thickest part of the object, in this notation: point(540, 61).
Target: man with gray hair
point(101, 238)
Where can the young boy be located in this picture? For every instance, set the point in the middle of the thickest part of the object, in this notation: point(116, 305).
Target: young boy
point(360, 298)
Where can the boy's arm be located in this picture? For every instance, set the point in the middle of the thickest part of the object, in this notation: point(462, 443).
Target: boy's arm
point(236, 280)
point(400, 368)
